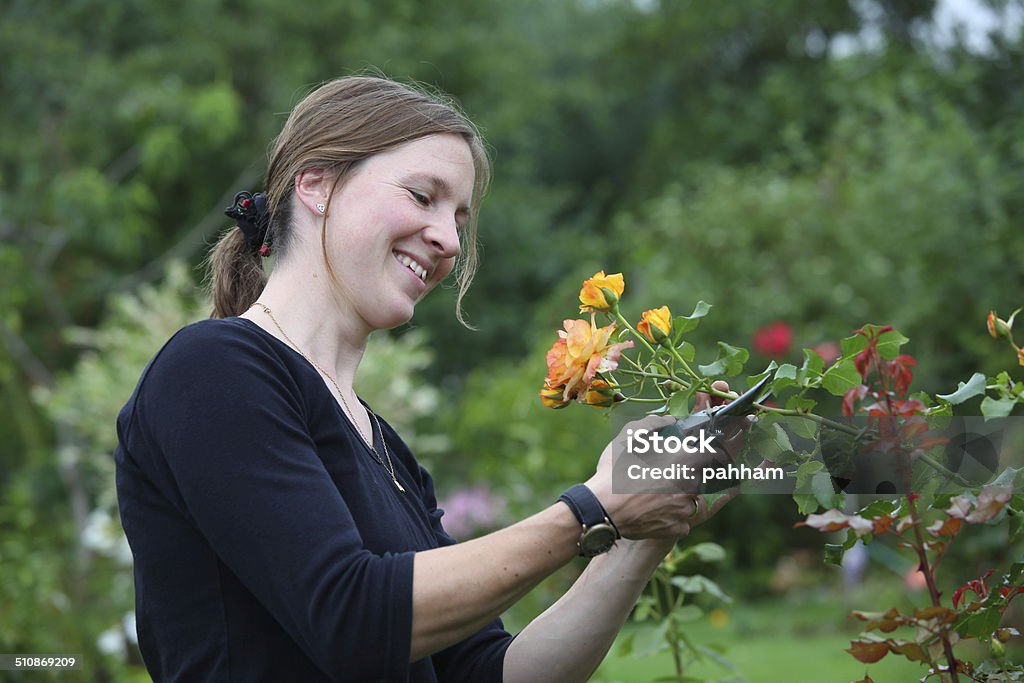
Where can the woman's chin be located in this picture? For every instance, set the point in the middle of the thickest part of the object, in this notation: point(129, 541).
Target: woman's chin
point(392, 317)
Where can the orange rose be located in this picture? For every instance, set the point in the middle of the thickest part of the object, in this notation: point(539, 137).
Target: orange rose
point(656, 325)
point(580, 353)
point(600, 394)
point(997, 327)
point(553, 397)
point(601, 293)
point(1020, 355)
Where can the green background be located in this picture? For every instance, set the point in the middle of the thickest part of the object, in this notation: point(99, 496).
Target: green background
point(823, 164)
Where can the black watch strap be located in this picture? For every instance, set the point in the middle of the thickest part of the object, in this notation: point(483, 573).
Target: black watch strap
point(589, 513)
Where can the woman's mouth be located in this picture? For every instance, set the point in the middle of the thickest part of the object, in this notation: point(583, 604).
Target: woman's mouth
point(414, 266)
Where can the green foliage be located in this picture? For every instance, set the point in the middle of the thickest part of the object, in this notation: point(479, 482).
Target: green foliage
point(717, 150)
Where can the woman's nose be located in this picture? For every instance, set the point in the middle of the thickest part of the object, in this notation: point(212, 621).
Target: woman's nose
point(443, 237)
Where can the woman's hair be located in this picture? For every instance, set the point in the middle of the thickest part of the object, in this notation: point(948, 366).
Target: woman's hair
point(335, 127)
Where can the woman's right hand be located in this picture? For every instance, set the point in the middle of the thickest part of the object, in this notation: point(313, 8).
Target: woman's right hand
point(642, 515)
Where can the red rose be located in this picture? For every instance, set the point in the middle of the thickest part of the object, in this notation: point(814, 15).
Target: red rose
point(774, 340)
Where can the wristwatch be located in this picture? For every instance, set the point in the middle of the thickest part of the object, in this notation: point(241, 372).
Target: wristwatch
point(599, 532)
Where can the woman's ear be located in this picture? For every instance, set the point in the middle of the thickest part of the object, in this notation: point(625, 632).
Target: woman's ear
point(312, 189)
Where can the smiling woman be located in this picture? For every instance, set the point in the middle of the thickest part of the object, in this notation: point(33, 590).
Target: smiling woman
point(281, 530)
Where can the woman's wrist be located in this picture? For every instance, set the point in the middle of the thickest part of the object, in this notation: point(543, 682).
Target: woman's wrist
point(651, 550)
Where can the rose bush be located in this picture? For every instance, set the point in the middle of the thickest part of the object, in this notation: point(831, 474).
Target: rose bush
point(871, 375)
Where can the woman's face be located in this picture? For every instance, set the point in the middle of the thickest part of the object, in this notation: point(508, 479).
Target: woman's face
point(393, 226)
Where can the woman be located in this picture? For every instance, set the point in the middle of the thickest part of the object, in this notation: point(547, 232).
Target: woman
point(281, 530)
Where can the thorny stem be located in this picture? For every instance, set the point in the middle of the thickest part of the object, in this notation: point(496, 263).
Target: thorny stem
point(933, 591)
point(838, 426)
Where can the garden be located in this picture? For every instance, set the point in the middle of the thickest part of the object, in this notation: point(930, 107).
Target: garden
point(824, 197)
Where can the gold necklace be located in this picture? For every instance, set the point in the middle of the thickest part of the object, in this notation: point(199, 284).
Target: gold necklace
point(389, 466)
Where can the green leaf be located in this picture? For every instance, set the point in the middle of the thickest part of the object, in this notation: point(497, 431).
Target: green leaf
point(1012, 477)
point(975, 386)
point(800, 403)
point(709, 552)
point(679, 403)
point(889, 344)
point(993, 407)
point(811, 369)
point(699, 584)
point(841, 377)
point(785, 376)
point(806, 503)
point(979, 624)
point(786, 370)
point(805, 472)
point(851, 346)
point(804, 494)
point(729, 362)
point(687, 613)
point(643, 609)
point(824, 491)
point(754, 379)
point(682, 324)
point(770, 441)
point(1016, 518)
point(687, 350)
point(879, 508)
point(650, 639)
point(802, 427)
point(716, 654)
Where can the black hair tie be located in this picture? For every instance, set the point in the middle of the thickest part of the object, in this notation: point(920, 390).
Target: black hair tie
point(251, 215)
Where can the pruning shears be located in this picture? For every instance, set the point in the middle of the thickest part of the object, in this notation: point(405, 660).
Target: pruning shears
point(713, 419)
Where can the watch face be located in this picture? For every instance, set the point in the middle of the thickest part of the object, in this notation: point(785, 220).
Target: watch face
point(597, 539)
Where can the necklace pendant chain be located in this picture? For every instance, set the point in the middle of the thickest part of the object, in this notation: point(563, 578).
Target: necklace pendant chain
point(388, 466)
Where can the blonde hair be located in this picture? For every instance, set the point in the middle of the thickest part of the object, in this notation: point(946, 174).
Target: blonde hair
point(335, 127)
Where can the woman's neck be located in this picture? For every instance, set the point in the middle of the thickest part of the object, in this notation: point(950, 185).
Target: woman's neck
point(308, 316)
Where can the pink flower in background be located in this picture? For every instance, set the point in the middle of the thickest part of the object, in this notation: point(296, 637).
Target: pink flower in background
point(471, 510)
point(829, 351)
point(774, 340)
point(914, 580)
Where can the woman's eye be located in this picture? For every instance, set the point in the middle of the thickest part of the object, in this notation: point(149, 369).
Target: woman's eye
point(420, 197)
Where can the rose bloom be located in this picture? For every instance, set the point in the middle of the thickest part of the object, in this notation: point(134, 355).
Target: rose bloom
point(582, 351)
point(594, 298)
point(990, 322)
point(656, 324)
point(773, 340)
point(600, 394)
point(553, 397)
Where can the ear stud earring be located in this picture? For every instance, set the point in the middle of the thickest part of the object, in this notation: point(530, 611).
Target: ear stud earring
point(320, 208)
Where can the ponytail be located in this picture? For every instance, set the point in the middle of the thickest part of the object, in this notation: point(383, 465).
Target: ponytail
point(236, 275)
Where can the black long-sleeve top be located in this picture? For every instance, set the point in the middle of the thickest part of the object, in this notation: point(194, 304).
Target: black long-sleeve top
point(269, 544)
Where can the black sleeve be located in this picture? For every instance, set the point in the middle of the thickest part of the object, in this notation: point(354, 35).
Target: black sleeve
point(228, 424)
point(481, 657)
